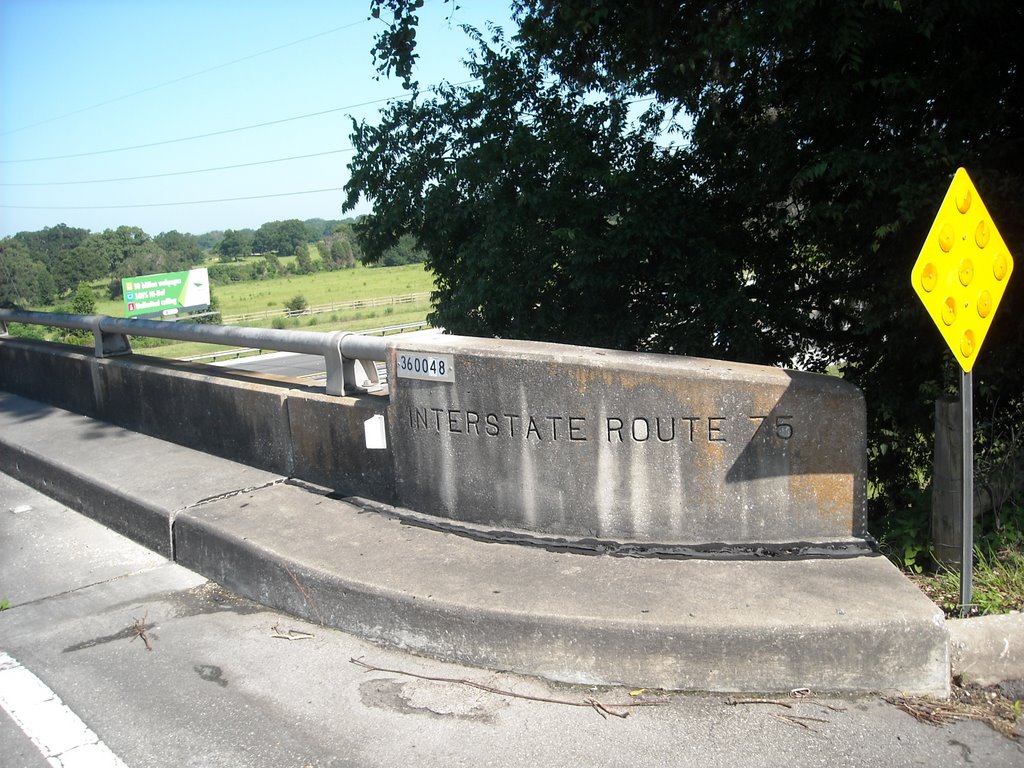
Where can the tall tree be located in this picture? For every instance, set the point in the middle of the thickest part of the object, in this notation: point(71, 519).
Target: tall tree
point(182, 250)
point(522, 191)
point(24, 282)
point(281, 237)
point(339, 252)
point(85, 262)
point(48, 244)
point(291, 236)
point(235, 245)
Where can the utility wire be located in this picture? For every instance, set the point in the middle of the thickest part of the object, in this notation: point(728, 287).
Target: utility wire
point(183, 78)
point(201, 72)
point(165, 205)
point(174, 173)
point(197, 136)
point(218, 133)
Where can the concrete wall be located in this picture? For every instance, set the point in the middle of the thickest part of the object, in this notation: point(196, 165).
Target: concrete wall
point(541, 438)
point(262, 421)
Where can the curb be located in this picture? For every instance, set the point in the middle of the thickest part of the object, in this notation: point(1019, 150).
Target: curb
point(987, 650)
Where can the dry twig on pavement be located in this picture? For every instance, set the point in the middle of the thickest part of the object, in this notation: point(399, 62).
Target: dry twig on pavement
point(140, 631)
point(998, 714)
point(289, 634)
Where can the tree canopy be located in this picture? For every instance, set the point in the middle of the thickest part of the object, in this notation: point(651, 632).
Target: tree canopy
point(749, 181)
point(282, 237)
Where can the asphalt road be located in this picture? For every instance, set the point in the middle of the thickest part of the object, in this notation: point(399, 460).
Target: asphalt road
point(158, 667)
point(279, 364)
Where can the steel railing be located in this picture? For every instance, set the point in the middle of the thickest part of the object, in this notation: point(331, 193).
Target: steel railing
point(340, 349)
point(241, 352)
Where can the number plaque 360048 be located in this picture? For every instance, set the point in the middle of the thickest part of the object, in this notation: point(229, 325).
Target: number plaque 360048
point(425, 366)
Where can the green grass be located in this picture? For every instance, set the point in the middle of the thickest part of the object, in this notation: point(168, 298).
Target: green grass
point(998, 575)
point(318, 288)
point(998, 584)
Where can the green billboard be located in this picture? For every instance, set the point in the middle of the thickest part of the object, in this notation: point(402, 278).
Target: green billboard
point(170, 293)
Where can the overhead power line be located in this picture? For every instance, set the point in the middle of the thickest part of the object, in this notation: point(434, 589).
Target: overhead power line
point(197, 136)
point(174, 173)
point(183, 78)
point(166, 205)
point(218, 133)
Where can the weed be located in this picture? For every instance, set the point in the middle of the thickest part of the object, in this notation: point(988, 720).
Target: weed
point(998, 584)
point(998, 575)
point(904, 538)
point(5, 604)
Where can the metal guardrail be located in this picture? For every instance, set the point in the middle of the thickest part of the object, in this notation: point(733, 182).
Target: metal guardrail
point(252, 351)
point(340, 349)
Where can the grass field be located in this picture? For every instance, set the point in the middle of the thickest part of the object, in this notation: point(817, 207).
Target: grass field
point(319, 289)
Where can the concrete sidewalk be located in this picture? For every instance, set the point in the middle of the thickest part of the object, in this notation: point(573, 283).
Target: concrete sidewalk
point(850, 624)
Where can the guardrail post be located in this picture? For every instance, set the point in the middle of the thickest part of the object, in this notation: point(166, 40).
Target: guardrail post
point(336, 377)
point(3, 327)
point(351, 384)
point(109, 344)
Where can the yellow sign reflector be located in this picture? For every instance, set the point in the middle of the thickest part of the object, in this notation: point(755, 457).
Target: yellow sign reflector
point(982, 234)
point(963, 198)
point(962, 270)
point(966, 272)
point(967, 343)
point(984, 303)
point(946, 238)
point(929, 277)
point(1000, 266)
point(949, 311)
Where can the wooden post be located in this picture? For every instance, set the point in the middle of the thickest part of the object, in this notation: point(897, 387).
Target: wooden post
point(947, 482)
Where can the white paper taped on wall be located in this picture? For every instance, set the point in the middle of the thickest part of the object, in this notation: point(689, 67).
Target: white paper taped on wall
point(376, 437)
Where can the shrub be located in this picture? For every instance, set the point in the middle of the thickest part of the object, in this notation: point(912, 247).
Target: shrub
point(296, 304)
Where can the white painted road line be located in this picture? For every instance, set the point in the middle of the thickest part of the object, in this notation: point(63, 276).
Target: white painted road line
point(58, 733)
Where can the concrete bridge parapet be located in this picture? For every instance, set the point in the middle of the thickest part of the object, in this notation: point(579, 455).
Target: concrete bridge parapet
point(588, 443)
point(550, 440)
point(584, 452)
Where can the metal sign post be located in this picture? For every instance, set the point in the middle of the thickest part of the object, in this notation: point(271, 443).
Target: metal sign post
point(967, 539)
point(960, 276)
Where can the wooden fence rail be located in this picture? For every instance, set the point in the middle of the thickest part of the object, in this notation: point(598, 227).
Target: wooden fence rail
point(334, 306)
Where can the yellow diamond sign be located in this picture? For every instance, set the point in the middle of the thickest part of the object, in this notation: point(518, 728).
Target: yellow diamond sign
point(962, 270)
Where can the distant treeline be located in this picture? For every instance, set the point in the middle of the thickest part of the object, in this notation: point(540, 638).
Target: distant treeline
point(42, 267)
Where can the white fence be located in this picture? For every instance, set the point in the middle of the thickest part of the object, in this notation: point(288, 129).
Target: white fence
point(383, 301)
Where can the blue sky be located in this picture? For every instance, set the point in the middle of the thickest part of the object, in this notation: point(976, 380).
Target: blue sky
point(84, 77)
